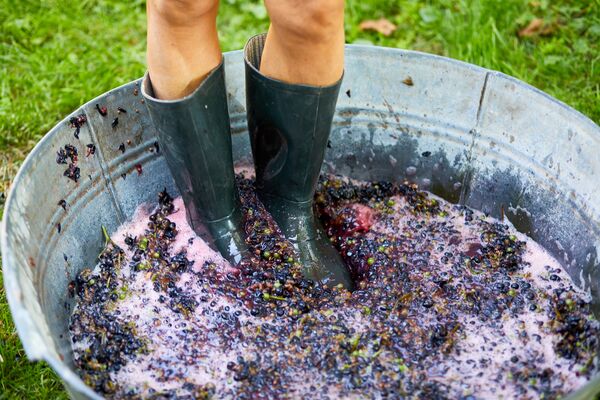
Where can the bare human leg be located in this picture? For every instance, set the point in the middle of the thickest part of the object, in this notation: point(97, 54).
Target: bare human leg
point(183, 45)
point(305, 42)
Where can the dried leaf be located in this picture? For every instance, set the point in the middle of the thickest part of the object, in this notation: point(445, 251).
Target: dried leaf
point(536, 27)
point(381, 25)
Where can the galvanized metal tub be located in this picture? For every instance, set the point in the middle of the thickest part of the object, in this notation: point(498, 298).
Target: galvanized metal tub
point(466, 133)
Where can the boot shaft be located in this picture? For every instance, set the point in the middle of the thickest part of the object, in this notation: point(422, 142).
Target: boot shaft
point(195, 134)
point(289, 128)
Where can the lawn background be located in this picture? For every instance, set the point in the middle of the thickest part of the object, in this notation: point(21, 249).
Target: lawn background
point(55, 55)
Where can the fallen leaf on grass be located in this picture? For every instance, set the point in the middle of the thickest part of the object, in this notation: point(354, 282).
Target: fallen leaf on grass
point(536, 27)
point(381, 25)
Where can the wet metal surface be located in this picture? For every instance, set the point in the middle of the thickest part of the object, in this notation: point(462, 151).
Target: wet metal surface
point(466, 133)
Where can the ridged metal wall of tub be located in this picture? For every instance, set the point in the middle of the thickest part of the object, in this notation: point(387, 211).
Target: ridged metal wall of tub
point(465, 133)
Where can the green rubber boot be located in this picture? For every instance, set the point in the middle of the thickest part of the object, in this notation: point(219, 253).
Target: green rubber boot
point(289, 128)
point(195, 134)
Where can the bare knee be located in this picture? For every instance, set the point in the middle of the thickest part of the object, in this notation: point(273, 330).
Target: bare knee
point(183, 12)
point(308, 19)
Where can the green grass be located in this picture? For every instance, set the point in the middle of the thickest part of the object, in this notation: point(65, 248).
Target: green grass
point(19, 378)
point(55, 55)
